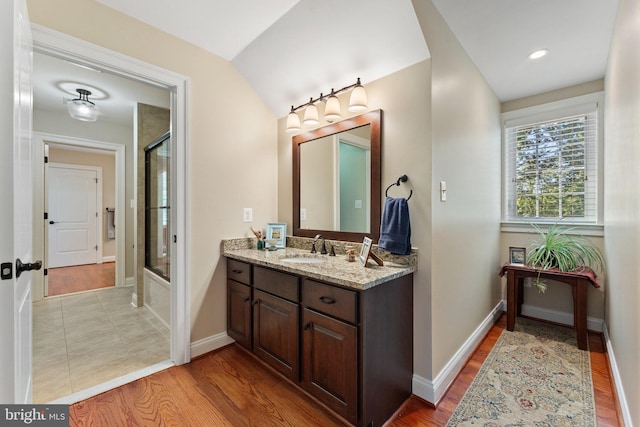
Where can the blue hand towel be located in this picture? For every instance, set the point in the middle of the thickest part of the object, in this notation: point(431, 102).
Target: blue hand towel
point(395, 227)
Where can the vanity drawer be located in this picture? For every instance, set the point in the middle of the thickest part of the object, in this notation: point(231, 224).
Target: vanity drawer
point(280, 284)
point(239, 271)
point(331, 300)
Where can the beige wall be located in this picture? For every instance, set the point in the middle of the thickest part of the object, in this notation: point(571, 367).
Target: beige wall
point(108, 164)
point(466, 154)
point(232, 142)
point(622, 199)
point(404, 98)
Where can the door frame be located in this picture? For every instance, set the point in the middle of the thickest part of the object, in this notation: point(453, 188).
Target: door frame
point(63, 46)
point(39, 204)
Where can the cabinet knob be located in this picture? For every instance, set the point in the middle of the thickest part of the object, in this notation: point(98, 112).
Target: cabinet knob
point(327, 300)
point(255, 302)
point(247, 299)
point(236, 271)
point(308, 325)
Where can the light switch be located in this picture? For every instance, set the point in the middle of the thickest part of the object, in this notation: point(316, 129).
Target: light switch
point(303, 214)
point(358, 204)
point(443, 191)
point(248, 214)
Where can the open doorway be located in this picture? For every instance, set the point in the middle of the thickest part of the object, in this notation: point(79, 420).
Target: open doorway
point(177, 334)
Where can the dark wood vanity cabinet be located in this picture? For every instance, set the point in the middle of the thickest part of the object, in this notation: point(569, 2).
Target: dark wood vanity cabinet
point(239, 302)
point(350, 349)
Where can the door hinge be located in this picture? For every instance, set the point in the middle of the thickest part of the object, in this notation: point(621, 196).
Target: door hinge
point(96, 214)
point(46, 159)
point(175, 239)
point(46, 215)
point(96, 180)
point(46, 271)
point(96, 247)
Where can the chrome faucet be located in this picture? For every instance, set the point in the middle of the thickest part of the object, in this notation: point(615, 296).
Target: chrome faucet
point(323, 251)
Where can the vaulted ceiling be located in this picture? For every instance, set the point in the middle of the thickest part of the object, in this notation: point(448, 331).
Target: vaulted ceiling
point(291, 50)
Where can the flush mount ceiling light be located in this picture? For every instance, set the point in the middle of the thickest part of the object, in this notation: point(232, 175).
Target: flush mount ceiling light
point(81, 108)
point(332, 109)
point(538, 54)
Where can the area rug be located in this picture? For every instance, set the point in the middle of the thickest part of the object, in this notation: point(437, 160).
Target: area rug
point(533, 376)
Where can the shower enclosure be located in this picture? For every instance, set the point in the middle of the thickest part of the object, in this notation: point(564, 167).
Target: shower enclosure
point(157, 197)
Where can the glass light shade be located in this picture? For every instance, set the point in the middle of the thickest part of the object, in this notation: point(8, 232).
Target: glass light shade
point(82, 110)
point(311, 115)
point(293, 122)
point(332, 109)
point(358, 99)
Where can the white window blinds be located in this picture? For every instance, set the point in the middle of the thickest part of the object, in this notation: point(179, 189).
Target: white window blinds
point(551, 169)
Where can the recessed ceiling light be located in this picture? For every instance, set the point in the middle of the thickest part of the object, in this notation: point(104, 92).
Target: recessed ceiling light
point(538, 54)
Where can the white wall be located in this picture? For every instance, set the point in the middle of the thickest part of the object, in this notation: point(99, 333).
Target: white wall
point(622, 202)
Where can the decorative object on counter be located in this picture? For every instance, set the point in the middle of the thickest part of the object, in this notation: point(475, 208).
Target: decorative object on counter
point(277, 232)
point(559, 250)
point(517, 256)
point(365, 250)
point(395, 226)
point(332, 110)
point(271, 244)
point(365, 253)
point(260, 243)
point(351, 253)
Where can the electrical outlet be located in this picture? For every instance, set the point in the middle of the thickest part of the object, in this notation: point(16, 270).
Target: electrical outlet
point(247, 215)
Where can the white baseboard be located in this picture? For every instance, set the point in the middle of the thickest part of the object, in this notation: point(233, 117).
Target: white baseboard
point(617, 380)
point(211, 343)
point(593, 323)
point(111, 258)
point(432, 391)
point(130, 281)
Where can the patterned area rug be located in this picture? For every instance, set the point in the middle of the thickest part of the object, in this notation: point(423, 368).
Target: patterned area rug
point(534, 376)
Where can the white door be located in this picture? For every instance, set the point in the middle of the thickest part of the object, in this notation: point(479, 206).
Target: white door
point(15, 190)
point(73, 215)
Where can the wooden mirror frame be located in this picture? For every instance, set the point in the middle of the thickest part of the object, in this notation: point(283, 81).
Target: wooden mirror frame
point(372, 118)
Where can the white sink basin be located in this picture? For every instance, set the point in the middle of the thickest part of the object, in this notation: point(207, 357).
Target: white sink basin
point(304, 260)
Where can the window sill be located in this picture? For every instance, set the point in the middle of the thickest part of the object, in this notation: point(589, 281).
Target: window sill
point(595, 230)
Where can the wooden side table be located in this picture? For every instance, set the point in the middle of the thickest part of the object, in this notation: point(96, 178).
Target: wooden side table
point(578, 281)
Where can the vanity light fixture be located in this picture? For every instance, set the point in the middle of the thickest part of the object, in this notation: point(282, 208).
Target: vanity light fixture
point(81, 108)
point(332, 109)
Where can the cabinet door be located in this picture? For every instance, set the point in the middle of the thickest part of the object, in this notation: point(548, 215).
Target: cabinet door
point(239, 313)
point(329, 367)
point(275, 333)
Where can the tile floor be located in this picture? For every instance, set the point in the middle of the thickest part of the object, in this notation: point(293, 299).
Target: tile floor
point(86, 339)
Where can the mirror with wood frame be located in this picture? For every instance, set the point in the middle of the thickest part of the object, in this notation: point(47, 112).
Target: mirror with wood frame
point(336, 179)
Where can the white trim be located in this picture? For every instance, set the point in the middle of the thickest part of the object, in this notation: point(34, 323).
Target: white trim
point(111, 384)
point(433, 391)
point(63, 46)
point(617, 379)
point(130, 281)
point(577, 229)
point(562, 317)
point(211, 343)
point(108, 258)
point(41, 138)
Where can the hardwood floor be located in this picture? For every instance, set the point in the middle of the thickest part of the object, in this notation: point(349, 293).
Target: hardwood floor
point(78, 278)
point(229, 387)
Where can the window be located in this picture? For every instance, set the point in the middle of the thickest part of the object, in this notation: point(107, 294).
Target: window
point(551, 163)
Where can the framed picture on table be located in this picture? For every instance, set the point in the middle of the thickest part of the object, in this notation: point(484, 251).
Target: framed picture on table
point(365, 251)
point(517, 256)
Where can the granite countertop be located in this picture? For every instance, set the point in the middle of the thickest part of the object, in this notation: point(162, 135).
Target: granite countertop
point(333, 269)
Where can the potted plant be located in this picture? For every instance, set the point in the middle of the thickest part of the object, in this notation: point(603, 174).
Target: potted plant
point(558, 249)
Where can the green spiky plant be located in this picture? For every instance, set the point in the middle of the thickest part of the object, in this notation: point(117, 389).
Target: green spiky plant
point(558, 249)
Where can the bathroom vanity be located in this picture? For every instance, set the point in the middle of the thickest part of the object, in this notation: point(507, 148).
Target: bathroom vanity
point(341, 332)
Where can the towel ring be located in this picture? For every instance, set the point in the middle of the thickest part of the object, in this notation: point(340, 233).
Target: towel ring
point(403, 178)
